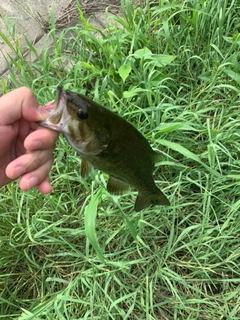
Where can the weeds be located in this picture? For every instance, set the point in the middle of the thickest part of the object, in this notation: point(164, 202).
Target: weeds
point(172, 69)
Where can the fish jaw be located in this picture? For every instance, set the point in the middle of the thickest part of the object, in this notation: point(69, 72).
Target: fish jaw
point(58, 114)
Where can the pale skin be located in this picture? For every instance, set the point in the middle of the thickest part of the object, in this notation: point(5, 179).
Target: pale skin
point(26, 149)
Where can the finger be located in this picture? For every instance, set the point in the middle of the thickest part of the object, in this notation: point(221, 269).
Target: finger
point(45, 186)
point(20, 103)
point(36, 177)
point(41, 138)
point(29, 162)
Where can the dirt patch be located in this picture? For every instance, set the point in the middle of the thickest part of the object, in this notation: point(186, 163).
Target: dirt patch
point(70, 15)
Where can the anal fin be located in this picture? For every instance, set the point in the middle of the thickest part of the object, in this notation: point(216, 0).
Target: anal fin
point(116, 186)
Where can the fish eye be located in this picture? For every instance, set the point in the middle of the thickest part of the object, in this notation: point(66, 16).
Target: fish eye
point(82, 115)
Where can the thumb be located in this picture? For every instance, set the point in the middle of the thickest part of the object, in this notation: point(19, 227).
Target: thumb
point(20, 103)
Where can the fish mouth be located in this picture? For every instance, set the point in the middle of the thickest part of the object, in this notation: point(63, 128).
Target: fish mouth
point(58, 114)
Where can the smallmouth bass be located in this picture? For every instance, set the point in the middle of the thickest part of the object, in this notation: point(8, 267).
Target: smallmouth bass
point(107, 142)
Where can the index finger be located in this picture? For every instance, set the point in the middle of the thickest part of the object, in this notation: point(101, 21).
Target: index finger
point(41, 138)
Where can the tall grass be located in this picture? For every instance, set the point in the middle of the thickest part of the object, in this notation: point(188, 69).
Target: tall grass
point(172, 69)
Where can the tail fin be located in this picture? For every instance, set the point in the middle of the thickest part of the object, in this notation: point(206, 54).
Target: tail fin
point(144, 201)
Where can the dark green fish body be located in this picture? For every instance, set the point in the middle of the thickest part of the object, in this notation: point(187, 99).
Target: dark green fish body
point(109, 143)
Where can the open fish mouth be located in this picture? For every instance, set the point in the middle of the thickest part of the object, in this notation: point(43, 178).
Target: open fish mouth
point(58, 114)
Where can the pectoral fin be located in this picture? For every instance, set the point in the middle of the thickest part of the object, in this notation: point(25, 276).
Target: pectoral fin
point(116, 186)
point(85, 168)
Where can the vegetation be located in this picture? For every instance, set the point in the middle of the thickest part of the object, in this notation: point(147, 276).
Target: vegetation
point(172, 69)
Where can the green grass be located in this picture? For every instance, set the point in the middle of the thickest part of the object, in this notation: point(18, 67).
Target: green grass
point(172, 69)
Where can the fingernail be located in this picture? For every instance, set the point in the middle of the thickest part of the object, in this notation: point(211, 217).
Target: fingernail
point(32, 182)
point(17, 172)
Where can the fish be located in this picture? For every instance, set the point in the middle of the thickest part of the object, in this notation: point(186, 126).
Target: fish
point(107, 142)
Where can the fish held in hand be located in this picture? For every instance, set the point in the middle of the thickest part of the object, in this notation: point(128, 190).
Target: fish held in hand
point(107, 142)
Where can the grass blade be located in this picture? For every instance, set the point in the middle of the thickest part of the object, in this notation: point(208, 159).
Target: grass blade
point(90, 223)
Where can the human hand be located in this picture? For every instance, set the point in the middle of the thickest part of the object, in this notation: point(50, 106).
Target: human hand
point(26, 149)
